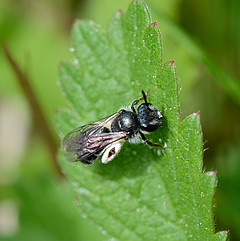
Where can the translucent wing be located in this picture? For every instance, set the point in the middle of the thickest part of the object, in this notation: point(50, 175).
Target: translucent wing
point(87, 142)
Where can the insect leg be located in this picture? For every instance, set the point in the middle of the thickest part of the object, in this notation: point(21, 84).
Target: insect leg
point(134, 103)
point(111, 151)
point(149, 142)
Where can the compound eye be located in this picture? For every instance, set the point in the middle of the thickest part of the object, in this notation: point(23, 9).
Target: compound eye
point(143, 111)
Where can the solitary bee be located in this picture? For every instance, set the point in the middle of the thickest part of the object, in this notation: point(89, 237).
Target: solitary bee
point(106, 136)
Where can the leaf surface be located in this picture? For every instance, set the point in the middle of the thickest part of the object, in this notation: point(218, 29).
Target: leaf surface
point(143, 194)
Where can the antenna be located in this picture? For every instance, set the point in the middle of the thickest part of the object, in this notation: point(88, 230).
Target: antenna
point(144, 97)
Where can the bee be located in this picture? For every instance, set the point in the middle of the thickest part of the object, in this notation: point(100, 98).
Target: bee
point(106, 136)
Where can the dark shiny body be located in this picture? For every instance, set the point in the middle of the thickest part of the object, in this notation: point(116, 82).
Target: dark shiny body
point(86, 143)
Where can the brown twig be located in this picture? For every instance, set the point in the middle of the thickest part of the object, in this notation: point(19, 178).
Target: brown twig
point(43, 128)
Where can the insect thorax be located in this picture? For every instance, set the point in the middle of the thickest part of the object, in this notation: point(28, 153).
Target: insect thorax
point(127, 121)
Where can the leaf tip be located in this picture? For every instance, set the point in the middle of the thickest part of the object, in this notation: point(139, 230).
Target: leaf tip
point(197, 113)
point(227, 232)
point(171, 62)
point(154, 24)
point(119, 10)
point(214, 173)
point(211, 173)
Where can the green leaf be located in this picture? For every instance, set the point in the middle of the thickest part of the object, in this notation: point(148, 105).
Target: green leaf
point(142, 194)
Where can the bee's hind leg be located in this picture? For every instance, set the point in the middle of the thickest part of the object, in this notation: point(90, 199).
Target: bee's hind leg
point(149, 142)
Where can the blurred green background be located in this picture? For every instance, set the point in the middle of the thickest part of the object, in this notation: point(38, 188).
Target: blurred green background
point(202, 37)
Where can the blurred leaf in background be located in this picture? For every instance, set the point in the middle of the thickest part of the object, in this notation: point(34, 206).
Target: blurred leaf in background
point(37, 33)
point(228, 198)
point(34, 205)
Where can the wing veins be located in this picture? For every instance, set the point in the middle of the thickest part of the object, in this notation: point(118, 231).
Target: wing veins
point(88, 140)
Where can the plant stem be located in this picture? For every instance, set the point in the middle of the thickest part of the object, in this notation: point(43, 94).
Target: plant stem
point(37, 114)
